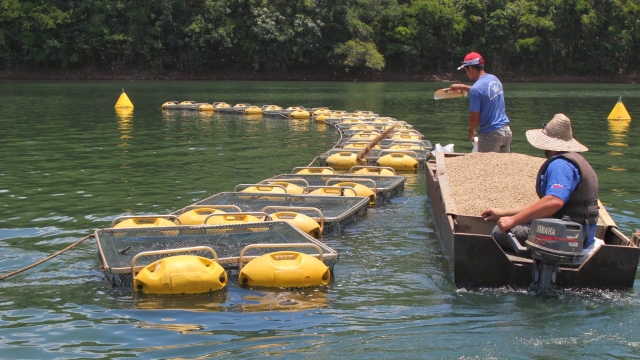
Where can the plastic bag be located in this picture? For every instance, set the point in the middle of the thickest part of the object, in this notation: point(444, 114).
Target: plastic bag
point(475, 145)
point(444, 149)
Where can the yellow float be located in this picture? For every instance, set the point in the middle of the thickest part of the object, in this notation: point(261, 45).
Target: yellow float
point(406, 137)
point(262, 188)
point(359, 146)
point(233, 218)
point(398, 161)
point(342, 160)
point(180, 274)
point(169, 104)
point(361, 190)
point(372, 170)
point(220, 105)
point(289, 187)
point(299, 114)
point(289, 269)
point(205, 107)
point(314, 170)
point(144, 221)
point(197, 216)
point(294, 216)
point(360, 136)
point(300, 221)
point(406, 147)
point(253, 110)
point(332, 191)
point(320, 111)
point(365, 112)
point(361, 127)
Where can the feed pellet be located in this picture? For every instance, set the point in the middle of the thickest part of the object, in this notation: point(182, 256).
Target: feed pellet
point(484, 180)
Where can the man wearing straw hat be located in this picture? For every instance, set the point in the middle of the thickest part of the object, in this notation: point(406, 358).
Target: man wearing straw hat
point(566, 184)
point(487, 111)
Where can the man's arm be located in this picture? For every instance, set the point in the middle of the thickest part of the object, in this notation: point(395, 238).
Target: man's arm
point(458, 87)
point(474, 121)
point(544, 207)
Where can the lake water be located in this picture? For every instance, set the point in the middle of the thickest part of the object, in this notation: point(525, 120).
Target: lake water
point(70, 164)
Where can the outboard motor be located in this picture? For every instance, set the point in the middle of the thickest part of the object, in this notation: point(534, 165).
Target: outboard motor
point(551, 242)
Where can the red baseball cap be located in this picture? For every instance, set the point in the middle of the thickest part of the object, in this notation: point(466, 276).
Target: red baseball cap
point(472, 58)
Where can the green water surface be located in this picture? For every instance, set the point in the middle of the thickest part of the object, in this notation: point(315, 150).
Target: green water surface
point(70, 164)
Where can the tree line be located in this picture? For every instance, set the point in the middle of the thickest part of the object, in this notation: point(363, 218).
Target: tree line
point(529, 36)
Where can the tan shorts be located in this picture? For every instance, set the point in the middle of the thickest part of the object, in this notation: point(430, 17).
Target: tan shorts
point(495, 141)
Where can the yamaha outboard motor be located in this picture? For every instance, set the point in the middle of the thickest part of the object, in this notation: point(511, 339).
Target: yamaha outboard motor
point(551, 242)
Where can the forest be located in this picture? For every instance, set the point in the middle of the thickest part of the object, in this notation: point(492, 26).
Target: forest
point(583, 37)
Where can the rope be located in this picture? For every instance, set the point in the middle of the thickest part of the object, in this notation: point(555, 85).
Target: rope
point(45, 259)
point(361, 155)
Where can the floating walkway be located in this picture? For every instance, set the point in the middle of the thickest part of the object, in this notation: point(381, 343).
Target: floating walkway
point(270, 232)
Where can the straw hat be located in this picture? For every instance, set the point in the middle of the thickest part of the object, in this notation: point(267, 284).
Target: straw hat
point(555, 136)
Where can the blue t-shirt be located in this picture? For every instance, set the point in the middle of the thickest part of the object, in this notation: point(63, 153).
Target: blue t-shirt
point(487, 98)
point(560, 180)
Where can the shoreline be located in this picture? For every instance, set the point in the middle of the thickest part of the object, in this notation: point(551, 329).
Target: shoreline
point(385, 76)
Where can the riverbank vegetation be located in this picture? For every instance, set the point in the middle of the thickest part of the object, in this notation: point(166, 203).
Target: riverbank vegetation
point(335, 39)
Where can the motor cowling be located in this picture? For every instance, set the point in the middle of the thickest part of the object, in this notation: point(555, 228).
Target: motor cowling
point(555, 240)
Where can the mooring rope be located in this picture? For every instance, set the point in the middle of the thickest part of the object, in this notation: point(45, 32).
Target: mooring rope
point(45, 259)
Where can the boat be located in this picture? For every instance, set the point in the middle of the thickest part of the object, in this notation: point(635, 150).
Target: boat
point(476, 260)
point(187, 105)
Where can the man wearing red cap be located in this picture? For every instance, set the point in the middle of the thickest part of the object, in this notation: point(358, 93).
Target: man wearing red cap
point(487, 112)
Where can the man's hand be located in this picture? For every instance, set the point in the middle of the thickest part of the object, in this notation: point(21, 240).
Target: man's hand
point(492, 214)
point(472, 134)
point(505, 223)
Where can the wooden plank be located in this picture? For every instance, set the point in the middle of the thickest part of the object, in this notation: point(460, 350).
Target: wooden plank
point(445, 186)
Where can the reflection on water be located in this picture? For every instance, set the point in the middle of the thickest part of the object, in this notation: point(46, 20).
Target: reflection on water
point(125, 124)
point(618, 130)
point(285, 300)
point(201, 302)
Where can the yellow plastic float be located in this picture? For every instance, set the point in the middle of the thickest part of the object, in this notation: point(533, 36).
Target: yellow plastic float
point(169, 104)
point(359, 146)
point(263, 188)
point(406, 147)
point(619, 112)
point(361, 190)
point(342, 160)
point(289, 187)
point(288, 269)
point(123, 101)
point(398, 161)
point(299, 114)
point(333, 191)
point(253, 110)
point(180, 274)
point(220, 105)
point(300, 221)
point(313, 170)
point(320, 111)
point(406, 137)
point(294, 216)
point(362, 127)
point(233, 218)
point(143, 221)
point(361, 136)
point(197, 216)
point(372, 170)
point(365, 112)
